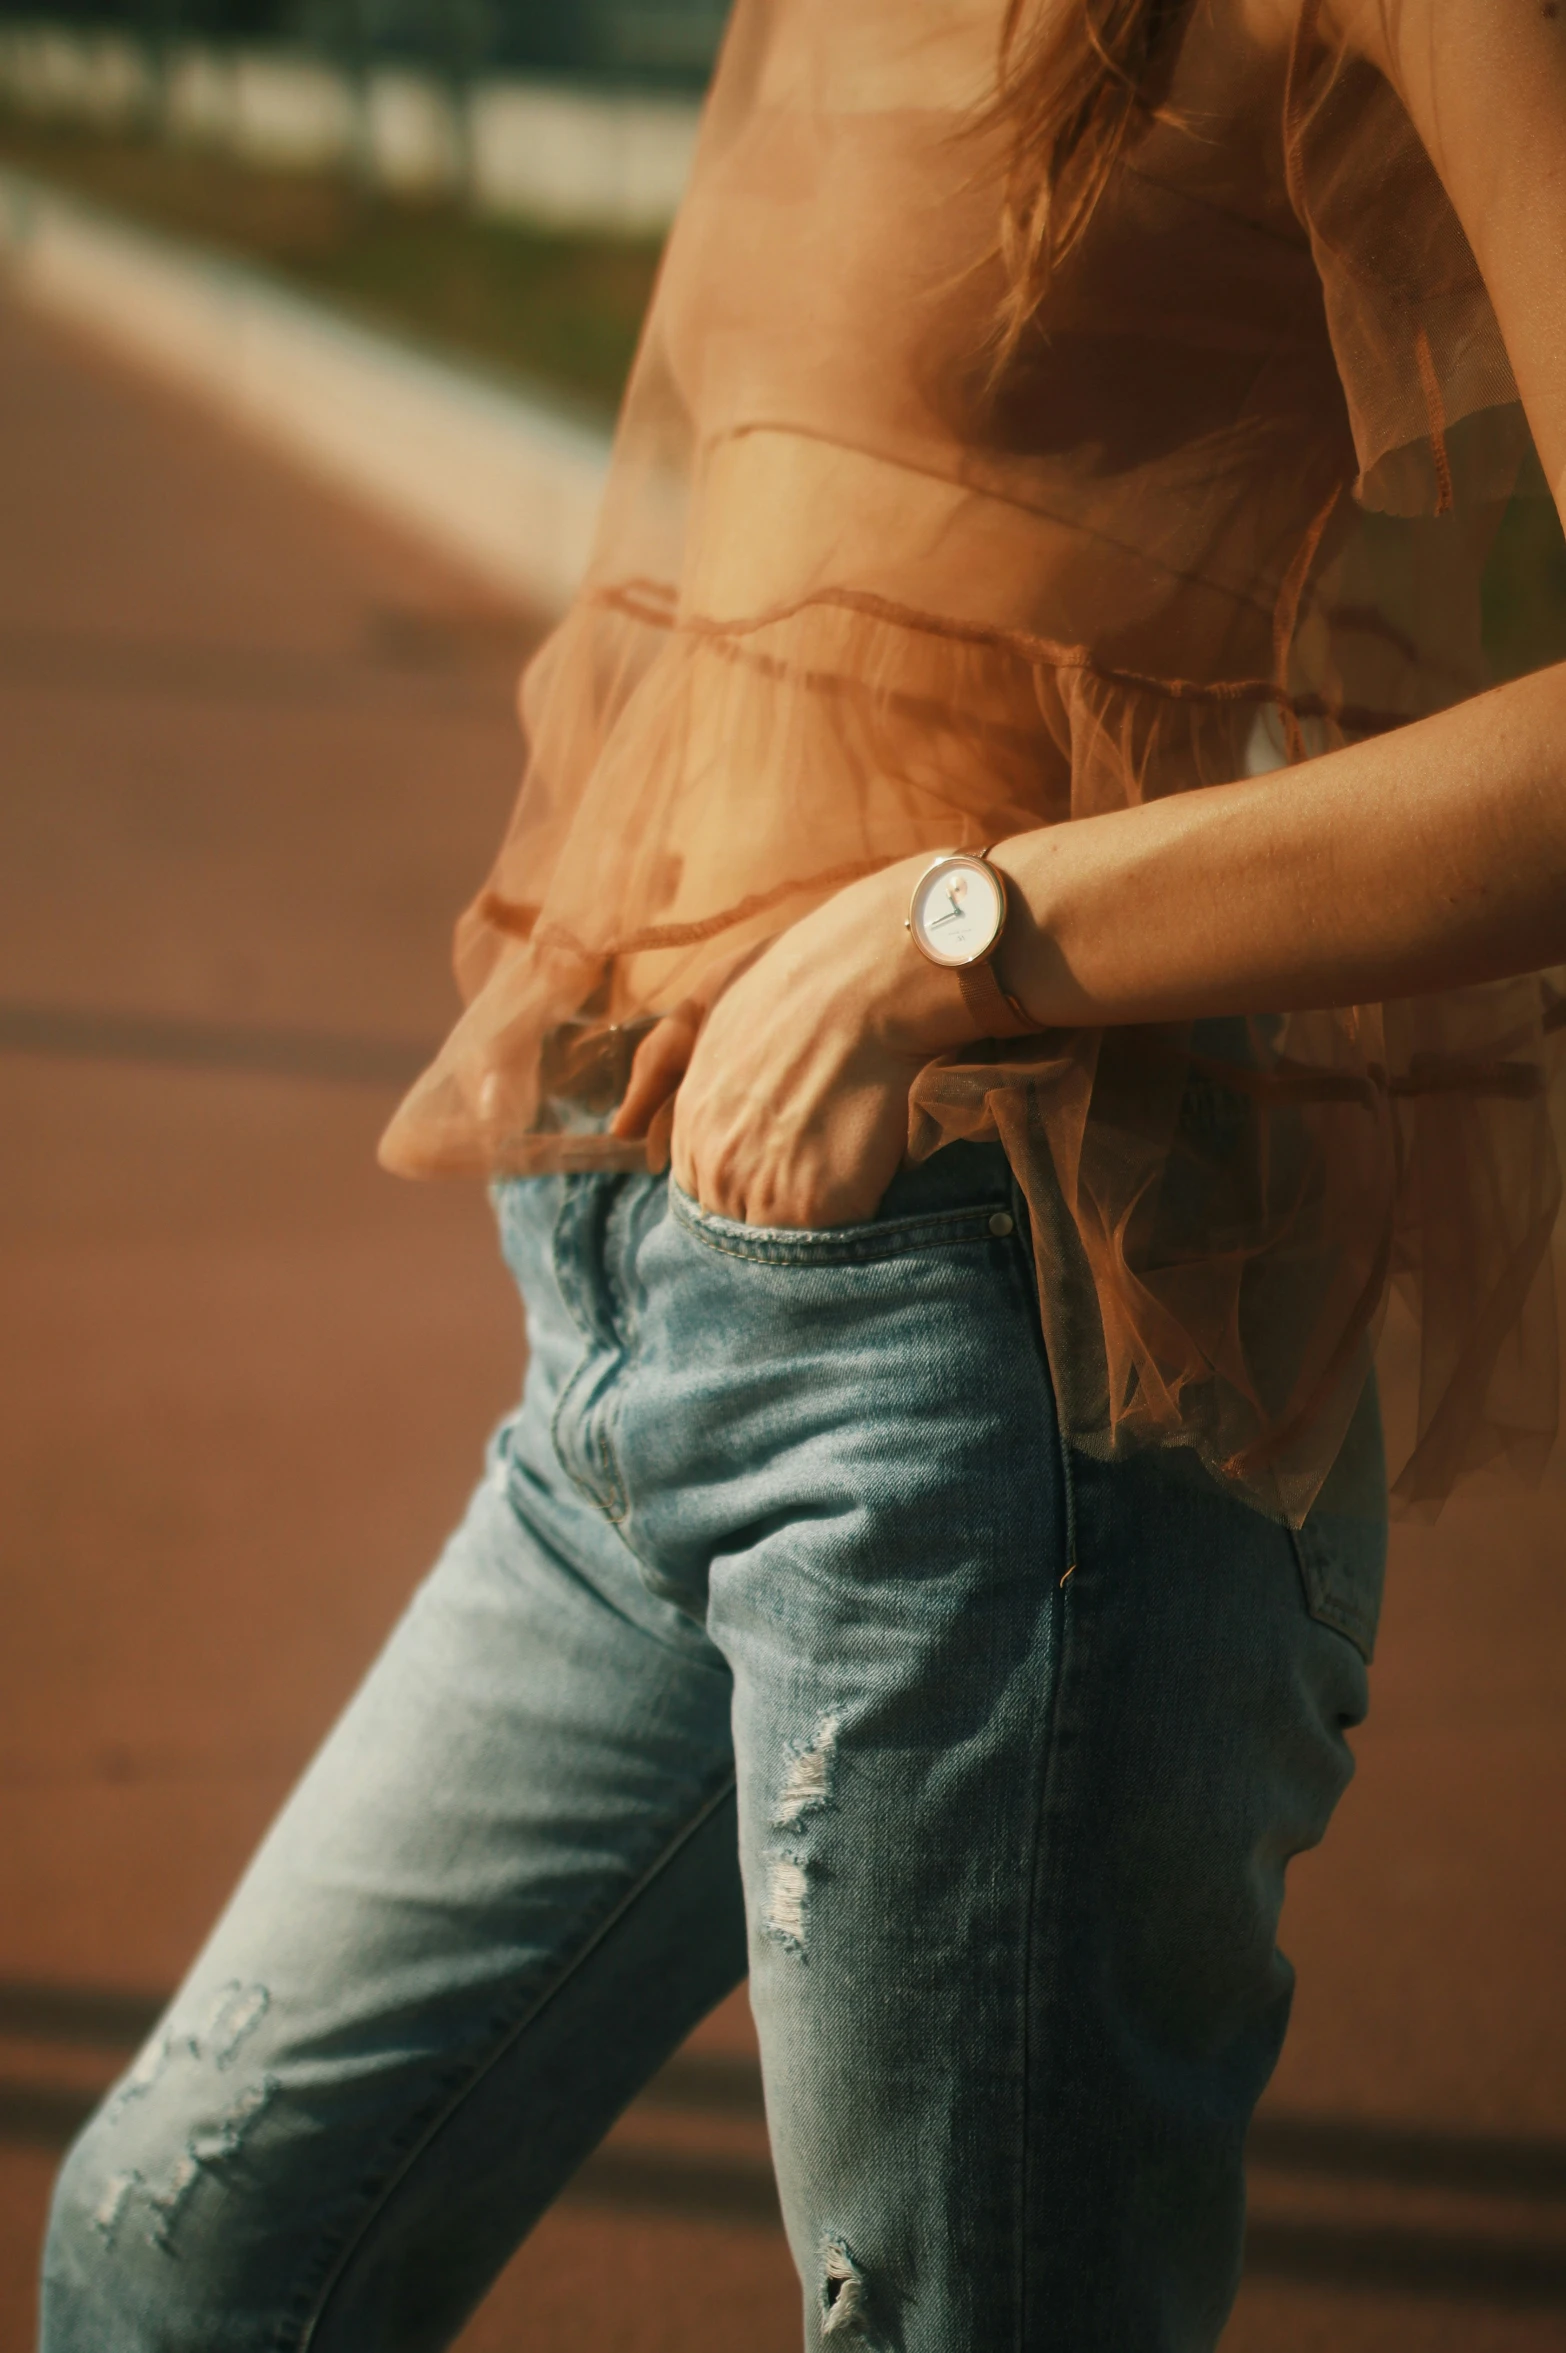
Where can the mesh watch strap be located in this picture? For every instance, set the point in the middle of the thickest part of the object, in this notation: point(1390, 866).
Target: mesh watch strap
point(997, 1014)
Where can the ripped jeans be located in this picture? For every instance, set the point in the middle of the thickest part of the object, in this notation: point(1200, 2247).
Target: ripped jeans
point(758, 1648)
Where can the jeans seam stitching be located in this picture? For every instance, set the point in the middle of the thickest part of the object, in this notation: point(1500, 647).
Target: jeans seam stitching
point(691, 1212)
point(1063, 1616)
point(594, 1437)
point(820, 1254)
point(609, 1463)
point(486, 2066)
point(1324, 1606)
point(1049, 1750)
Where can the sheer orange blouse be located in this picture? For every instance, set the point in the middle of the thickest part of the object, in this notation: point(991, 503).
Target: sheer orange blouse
point(1229, 507)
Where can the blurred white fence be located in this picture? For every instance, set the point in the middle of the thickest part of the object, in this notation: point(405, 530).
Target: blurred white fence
point(566, 158)
point(505, 484)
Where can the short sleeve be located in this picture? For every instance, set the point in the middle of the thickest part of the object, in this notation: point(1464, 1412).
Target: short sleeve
point(1431, 397)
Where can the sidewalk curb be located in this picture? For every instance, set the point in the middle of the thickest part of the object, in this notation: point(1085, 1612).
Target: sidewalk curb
point(484, 474)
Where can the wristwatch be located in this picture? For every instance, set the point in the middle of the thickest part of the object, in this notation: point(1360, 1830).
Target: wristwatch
point(956, 916)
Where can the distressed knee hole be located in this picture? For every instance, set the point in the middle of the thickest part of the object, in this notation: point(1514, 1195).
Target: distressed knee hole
point(807, 1784)
point(209, 2148)
point(806, 1790)
point(231, 2019)
point(111, 2206)
point(158, 2200)
point(787, 1888)
point(842, 2291)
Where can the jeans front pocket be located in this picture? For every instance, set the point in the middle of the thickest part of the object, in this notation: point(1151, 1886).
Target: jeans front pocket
point(818, 1380)
point(872, 1242)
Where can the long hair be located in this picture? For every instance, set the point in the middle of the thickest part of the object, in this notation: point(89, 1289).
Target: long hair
point(1077, 80)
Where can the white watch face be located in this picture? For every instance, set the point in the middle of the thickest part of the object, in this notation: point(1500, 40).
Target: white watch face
point(957, 911)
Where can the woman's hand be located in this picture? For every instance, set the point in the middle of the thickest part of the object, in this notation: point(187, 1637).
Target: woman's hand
point(792, 1101)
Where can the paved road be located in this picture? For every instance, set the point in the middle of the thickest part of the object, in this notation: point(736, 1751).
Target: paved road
point(253, 753)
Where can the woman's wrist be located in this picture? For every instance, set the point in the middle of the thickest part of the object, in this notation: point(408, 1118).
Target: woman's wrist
point(860, 946)
point(1030, 963)
point(918, 1005)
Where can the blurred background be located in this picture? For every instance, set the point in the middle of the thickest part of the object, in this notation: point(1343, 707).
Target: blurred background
point(313, 318)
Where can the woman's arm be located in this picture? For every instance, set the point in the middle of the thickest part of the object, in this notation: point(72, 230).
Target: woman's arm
point(1436, 855)
point(1430, 858)
point(1433, 857)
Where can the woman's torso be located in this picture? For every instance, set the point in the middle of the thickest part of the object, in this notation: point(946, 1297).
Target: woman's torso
point(1227, 506)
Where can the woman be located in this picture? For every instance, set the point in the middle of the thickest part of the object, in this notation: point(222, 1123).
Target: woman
point(935, 1559)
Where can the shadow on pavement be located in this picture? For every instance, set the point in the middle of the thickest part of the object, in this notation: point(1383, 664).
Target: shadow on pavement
point(1516, 2272)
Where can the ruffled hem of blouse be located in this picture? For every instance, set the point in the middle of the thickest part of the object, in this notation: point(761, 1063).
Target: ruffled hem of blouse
point(1221, 1211)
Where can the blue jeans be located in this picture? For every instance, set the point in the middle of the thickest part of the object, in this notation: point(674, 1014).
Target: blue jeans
point(762, 1646)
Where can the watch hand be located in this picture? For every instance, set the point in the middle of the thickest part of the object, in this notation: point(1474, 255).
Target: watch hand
point(938, 919)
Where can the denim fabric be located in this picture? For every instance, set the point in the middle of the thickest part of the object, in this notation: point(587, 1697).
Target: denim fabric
point(781, 1633)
